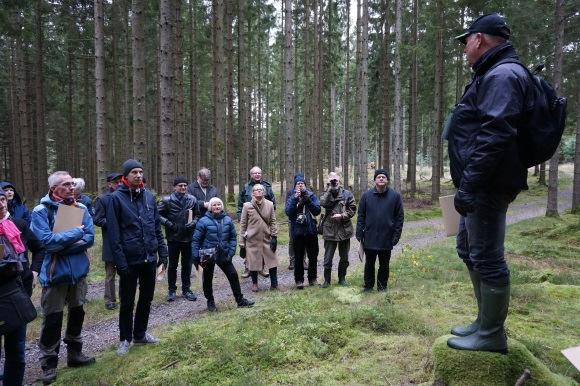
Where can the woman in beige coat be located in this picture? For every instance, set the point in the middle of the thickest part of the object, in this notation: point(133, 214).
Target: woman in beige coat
point(258, 237)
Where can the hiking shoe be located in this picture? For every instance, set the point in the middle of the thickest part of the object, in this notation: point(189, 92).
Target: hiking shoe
point(147, 339)
point(171, 296)
point(291, 266)
point(78, 359)
point(342, 282)
point(300, 285)
point(325, 285)
point(211, 306)
point(246, 273)
point(123, 347)
point(189, 295)
point(245, 303)
point(48, 376)
point(110, 306)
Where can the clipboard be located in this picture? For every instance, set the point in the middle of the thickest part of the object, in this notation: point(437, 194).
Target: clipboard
point(67, 217)
point(450, 215)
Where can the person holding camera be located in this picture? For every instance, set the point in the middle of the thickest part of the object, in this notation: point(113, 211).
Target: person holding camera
point(336, 227)
point(214, 243)
point(178, 213)
point(301, 208)
point(259, 237)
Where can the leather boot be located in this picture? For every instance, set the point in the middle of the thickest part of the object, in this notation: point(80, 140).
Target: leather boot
point(75, 356)
point(327, 276)
point(342, 273)
point(291, 264)
point(471, 328)
point(490, 336)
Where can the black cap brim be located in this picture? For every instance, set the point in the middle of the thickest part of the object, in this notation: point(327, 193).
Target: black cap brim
point(463, 37)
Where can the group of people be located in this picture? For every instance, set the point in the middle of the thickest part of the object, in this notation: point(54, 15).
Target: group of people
point(481, 133)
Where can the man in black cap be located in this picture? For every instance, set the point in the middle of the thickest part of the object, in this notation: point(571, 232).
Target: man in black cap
point(100, 220)
point(378, 228)
point(178, 213)
point(136, 240)
point(488, 173)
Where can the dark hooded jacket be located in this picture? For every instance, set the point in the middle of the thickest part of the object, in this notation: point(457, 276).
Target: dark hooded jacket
point(215, 232)
point(16, 207)
point(196, 191)
point(309, 206)
point(482, 133)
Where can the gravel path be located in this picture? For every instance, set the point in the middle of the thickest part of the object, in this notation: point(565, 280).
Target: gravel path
point(103, 335)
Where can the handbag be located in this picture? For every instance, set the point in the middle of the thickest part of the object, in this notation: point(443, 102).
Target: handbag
point(207, 256)
point(16, 308)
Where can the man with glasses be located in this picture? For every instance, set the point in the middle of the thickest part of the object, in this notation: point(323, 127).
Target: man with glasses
point(202, 190)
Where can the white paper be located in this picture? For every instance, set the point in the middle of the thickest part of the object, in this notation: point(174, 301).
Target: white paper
point(573, 355)
point(450, 215)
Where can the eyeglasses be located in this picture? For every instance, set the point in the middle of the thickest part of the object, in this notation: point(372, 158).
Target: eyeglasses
point(181, 185)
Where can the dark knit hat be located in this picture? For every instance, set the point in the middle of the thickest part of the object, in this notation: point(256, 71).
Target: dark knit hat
point(129, 165)
point(113, 176)
point(299, 178)
point(180, 180)
point(383, 172)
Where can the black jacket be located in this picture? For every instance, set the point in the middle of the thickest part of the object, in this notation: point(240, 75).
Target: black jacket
point(100, 220)
point(483, 152)
point(196, 191)
point(134, 228)
point(380, 219)
point(246, 194)
point(173, 210)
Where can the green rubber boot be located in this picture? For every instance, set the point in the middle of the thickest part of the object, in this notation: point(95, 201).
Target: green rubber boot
point(490, 336)
point(471, 328)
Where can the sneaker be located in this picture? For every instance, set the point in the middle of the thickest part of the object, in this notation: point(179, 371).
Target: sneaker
point(123, 347)
point(171, 296)
point(110, 306)
point(78, 359)
point(246, 273)
point(211, 306)
point(48, 376)
point(291, 266)
point(325, 285)
point(264, 272)
point(300, 285)
point(342, 282)
point(245, 303)
point(189, 295)
point(147, 339)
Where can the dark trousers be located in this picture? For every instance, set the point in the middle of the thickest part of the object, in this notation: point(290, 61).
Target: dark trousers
point(176, 248)
point(273, 277)
point(142, 275)
point(14, 359)
point(383, 273)
point(330, 248)
point(305, 245)
point(230, 271)
point(480, 240)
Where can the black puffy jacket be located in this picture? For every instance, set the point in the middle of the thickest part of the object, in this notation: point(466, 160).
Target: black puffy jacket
point(483, 150)
point(174, 210)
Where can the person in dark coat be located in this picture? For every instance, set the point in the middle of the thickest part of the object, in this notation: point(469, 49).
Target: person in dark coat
point(301, 208)
point(203, 190)
point(488, 172)
point(378, 228)
point(83, 198)
point(214, 243)
point(178, 213)
point(136, 239)
point(15, 271)
point(100, 220)
point(16, 207)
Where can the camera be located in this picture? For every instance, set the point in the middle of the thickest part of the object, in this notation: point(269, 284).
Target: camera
point(334, 183)
point(303, 193)
point(300, 219)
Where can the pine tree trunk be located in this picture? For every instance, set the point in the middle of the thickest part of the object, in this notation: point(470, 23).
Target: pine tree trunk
point(139, 101)
point(244, 159)
point(218, 96)
point(357, 148)
point(364, 105)
point(289, 94)
point(398, 130)
point(40, 134)
point(101, 139)
point(179, 107)
point(166, 89)
point(412, 162)
point(384, 70)
point(230, 134)
point(438, 108)
point(346, 119)
point(195, 140)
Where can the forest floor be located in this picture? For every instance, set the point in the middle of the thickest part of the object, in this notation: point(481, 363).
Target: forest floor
point(100, 332)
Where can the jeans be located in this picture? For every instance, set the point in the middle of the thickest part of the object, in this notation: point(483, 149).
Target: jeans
point(14, 359)
point(176, 248)
point(144, 276)
point(382, 274)
point(302, 245)
point(230, 271)
point(481, 237)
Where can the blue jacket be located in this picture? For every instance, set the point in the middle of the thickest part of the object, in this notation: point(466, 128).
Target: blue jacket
point(134, 228)
point(380, 219)
point(309, 205)
point(214, 232)
point(88, 202)
point(65, 260)
point(16, 208)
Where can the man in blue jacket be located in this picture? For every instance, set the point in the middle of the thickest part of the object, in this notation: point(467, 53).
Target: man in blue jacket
point(62, 275)
point(488, 173)
point(135, 237)
point(378, 228)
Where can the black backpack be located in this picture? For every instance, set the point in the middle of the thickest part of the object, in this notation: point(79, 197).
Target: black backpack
point(544, 123)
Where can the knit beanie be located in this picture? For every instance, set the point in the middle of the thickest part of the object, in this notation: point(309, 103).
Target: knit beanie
point(129, 165)
point(298, 178)
point(180, 180)
point(383, 172)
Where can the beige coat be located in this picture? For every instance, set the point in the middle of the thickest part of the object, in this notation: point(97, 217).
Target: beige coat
point(255, 235)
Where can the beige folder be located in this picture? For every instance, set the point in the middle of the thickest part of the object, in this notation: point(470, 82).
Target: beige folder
point(450, 215)
point(67, 217)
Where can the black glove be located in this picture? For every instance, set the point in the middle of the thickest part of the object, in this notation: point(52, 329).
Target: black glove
point(191, 225)
point(464, 202)
point(274, 244)
point(162, 261)
point(171, 226)
point(306, 199)
point(242, 252)
point(124, 271)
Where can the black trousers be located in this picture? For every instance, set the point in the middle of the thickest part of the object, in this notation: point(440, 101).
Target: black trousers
point(305, 245)
point(142, 275)
point(382, 274)
point(230, 271)
point(176, 248)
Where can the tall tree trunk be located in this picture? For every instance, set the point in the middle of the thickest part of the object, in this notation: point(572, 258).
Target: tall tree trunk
point(398, 131)
point(230, 134)
point(346, 118)
point(289, 95)
point(332, 160)
point(101, 143)
point(357, 146)
point(218, 96)
point(438, 107)
point(166, 95)
point(193, 87)
point(364, 105)
point(318, 176)
point(127, 94)
point(552, 205)
point(179, 107)
point(384, 70)
point(412, 162)
point(243, 96)
point(40, 134)
point(139, 101)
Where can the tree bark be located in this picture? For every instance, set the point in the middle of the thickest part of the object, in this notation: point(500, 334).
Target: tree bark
point(101, 142)
point(346, 118)
point(139, 101)
point(289, 94)
point(179, 107)
point(166, 89)
point(244, 159)
point(398, 131)
point(42, 164)
point(438, 107)
point(230, 134)
point(218, 96)
point(412, 157)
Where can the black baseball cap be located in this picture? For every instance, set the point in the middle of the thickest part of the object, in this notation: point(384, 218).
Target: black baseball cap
point(113, 176)
point(491, 24)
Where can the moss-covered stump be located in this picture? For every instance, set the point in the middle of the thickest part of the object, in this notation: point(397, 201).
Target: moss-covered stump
point(465, 368)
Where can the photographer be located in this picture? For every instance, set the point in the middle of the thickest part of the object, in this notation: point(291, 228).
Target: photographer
point(336, 227)
point(301, 207)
